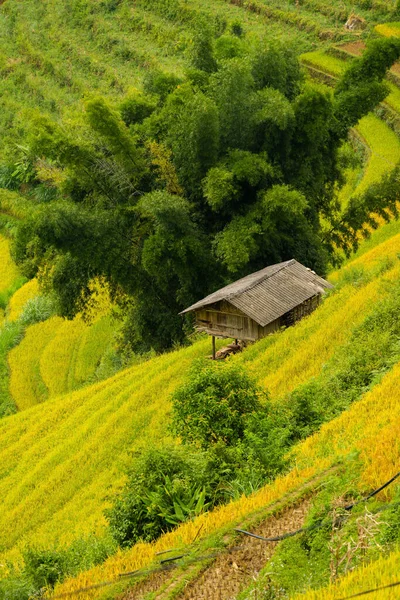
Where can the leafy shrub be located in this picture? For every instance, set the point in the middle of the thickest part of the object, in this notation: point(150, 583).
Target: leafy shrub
point(37, 309)
point(214, 403)
point(390, 533)
point(228, 46)
point(237, 28)
point(165, 487)
point(43, 568)
point(17, 588)
point(159, 83)
point(201, 53)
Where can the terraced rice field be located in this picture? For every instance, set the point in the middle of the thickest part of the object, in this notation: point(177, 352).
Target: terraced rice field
point(370, 426)
point(62, 460)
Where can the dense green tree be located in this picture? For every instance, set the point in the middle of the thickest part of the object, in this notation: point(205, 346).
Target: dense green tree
point(276, 66)
point(197, 181)
point(189, 125)
point(214, 404)
point(201, 51)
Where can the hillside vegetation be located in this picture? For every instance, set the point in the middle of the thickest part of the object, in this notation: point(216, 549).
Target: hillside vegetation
point(151, 153)
point(368, 427)
point(84, 432)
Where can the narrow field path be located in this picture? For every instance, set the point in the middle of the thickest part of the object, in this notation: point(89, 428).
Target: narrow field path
point(233, 571)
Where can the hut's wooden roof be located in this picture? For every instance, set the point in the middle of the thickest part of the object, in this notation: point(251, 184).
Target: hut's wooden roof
point(270, 293)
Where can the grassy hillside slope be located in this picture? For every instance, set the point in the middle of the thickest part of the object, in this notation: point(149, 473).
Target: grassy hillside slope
point(61, 462)
point(10, 279)
point(54, 53)
point(362, 439)
point(57, 356)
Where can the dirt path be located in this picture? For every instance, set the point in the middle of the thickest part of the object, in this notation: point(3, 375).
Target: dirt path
point(355, 48)
point(150, 584)
point(232, 572)
point(232, 569)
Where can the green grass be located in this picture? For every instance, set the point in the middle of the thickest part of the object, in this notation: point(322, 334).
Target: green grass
point(10, 335)
point(53, 53)
point(394, 97)
point(384, 146)
point(379, 236)
point(325, 62)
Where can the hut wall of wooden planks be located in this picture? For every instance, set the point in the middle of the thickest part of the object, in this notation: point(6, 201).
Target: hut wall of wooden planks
point(261, 303)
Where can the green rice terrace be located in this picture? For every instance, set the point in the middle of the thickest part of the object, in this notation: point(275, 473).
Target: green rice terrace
point(154, 152)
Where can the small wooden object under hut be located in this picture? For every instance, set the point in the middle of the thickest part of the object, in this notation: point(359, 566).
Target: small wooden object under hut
point(355, 23)
point(259, 304)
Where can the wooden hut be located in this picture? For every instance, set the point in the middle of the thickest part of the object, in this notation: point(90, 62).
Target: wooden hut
point(261, 303)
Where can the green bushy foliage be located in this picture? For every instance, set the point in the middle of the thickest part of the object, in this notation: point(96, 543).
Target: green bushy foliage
point(390, 531)
point(237, 29)
point(135, 108)
point(253, 154)
point(228, 46)
point(42, 568)
point(201, 54)
point(214, 404)
point(276, 66)
point(165, 487)
point(232, 445)
point(159, 83)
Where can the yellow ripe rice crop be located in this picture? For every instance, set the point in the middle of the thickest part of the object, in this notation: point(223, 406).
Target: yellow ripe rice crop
point(72, 453)
point(55, 357)
point(94, 341)
point(370, 426)
point(380, 573)
point(388, 29)
point(60, 467)
point(20, 298)
point(388, 250)
point(284, 361)
point(363, 427)
point(59, 356)
point(26, 383)
point(300, 353)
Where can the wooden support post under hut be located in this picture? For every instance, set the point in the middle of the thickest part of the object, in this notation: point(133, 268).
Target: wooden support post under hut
point(259, 304)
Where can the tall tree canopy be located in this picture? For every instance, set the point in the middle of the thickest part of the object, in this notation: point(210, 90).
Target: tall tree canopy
point(193, 182)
